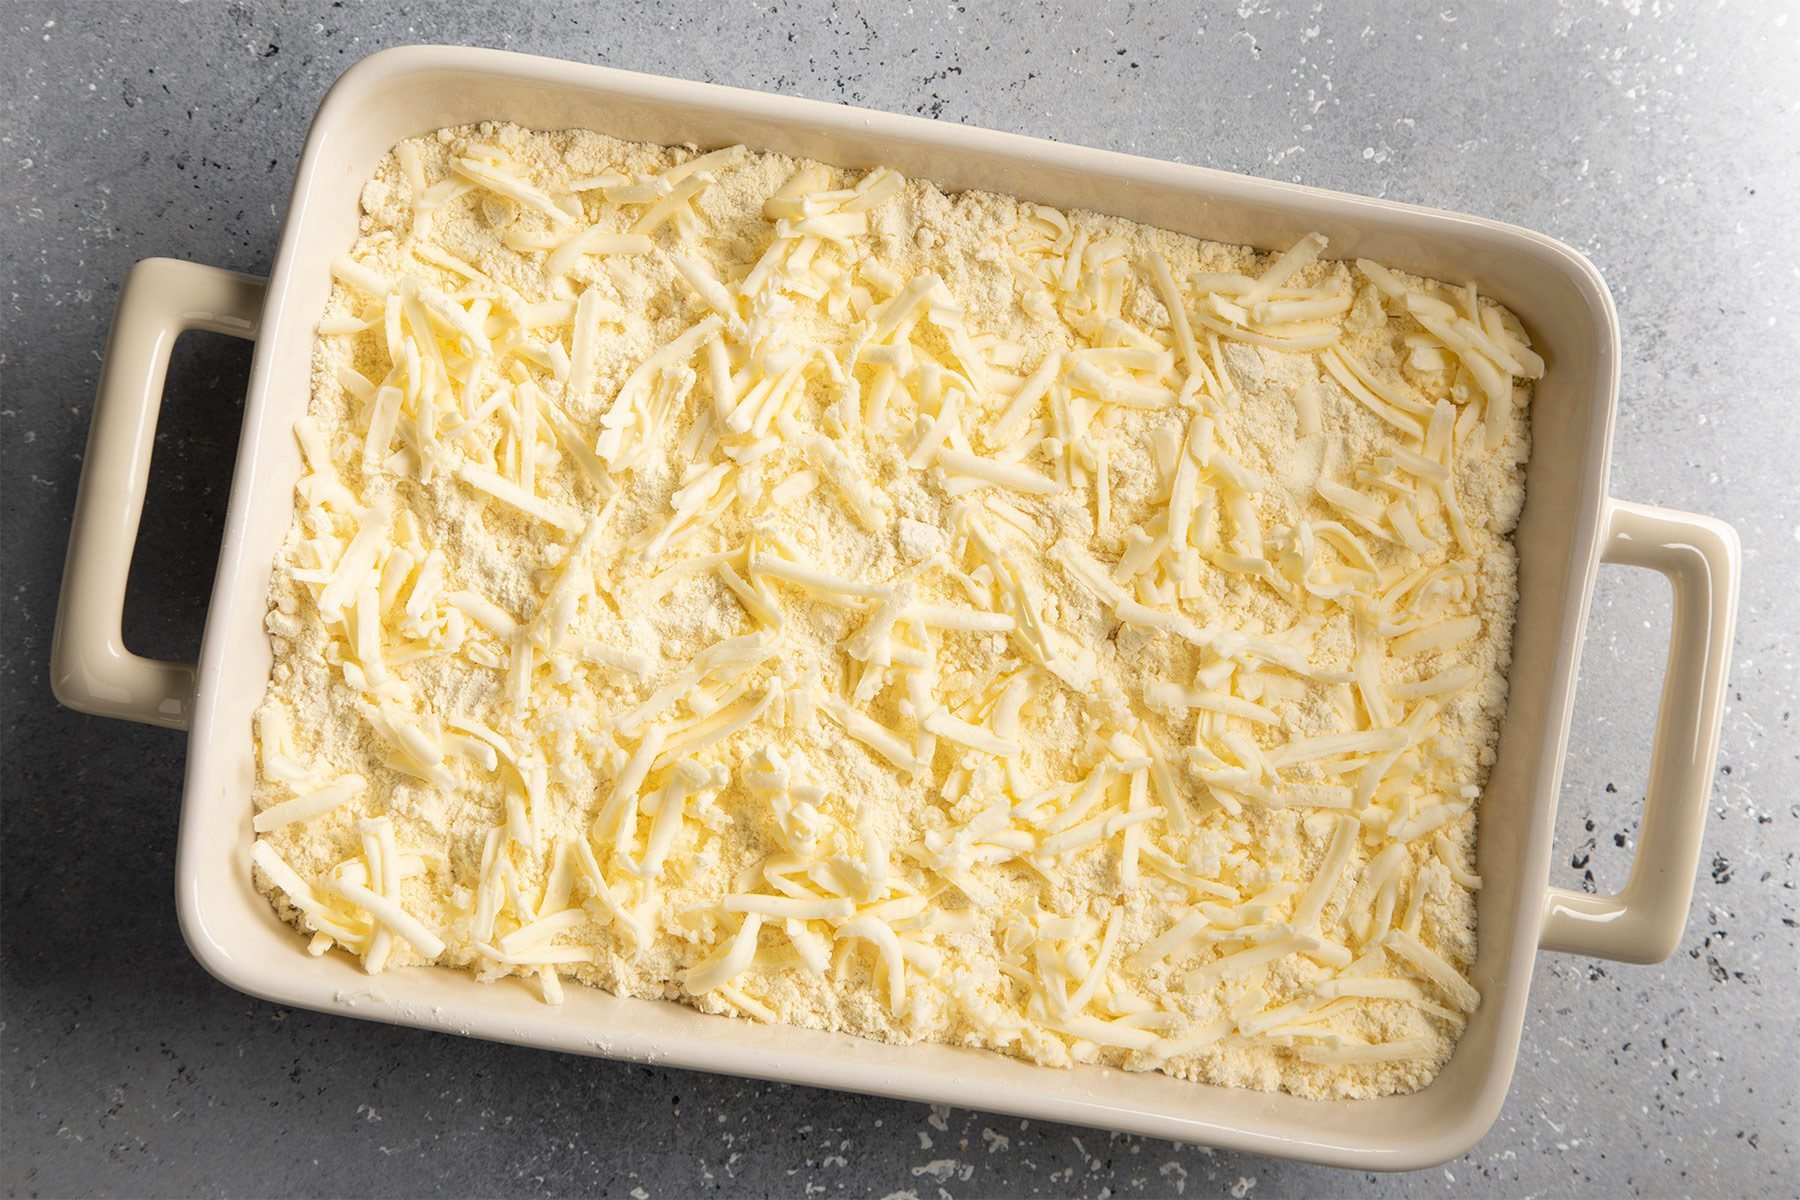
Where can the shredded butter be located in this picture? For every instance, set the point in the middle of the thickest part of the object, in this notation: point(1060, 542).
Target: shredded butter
point(818, 598)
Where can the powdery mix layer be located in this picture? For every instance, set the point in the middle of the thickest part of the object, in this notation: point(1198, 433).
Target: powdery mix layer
point(814, 597)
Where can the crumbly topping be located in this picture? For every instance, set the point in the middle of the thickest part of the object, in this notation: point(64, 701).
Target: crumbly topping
point(815, 597)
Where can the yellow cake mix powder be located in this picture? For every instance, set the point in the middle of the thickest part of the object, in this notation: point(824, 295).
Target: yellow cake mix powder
point(818, 598)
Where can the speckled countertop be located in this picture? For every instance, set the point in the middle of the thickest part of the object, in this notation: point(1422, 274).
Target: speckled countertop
point(1661, 140)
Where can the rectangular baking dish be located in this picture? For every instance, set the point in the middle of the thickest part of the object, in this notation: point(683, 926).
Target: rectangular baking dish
point(1569, 526)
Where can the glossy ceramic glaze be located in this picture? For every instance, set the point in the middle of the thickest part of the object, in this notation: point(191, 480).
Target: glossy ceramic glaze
point(1569, 527)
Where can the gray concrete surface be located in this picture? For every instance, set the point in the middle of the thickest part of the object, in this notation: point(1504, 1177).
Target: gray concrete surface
point(1662, 140)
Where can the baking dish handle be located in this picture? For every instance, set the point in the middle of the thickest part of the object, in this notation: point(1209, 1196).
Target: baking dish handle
point(1643, 923)
point(90, 668)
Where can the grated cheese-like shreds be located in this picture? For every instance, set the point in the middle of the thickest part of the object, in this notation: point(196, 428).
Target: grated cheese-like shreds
point(820, 599)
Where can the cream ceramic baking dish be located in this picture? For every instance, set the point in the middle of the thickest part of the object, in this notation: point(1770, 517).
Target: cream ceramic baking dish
point(1569, 526)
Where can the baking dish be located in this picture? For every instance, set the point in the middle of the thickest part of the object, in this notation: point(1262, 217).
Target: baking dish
point(1569, 526)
